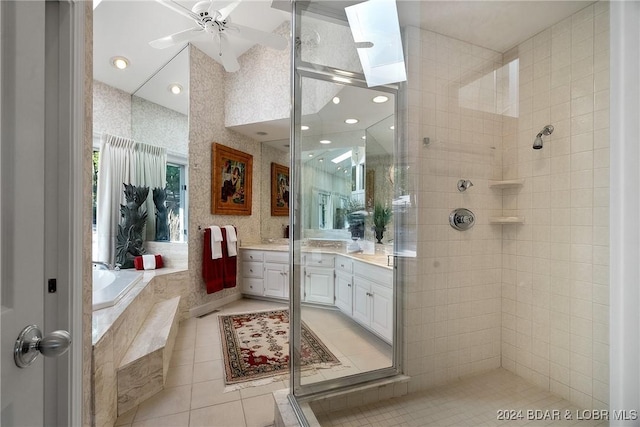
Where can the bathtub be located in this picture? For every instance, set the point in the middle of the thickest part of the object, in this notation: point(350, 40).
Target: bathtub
point(109, 286)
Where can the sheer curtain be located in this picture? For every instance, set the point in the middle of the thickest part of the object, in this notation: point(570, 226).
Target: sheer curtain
point(124, 161)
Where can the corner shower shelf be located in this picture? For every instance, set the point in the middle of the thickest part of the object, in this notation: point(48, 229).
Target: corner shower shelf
point(510, 183)
point(506, 220)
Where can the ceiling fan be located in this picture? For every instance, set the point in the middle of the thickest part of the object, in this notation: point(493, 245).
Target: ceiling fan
point(216, 22)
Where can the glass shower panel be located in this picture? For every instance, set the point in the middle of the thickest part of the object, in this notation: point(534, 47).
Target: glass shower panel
point(346, 178)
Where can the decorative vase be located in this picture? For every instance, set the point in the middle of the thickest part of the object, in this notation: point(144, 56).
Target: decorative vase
point(379, 233)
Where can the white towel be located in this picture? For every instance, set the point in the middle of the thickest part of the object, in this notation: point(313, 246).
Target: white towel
point(216, 242)
point(149, 262)
point(232, 238)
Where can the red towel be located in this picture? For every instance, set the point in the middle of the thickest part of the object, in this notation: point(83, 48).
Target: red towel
point(138, 263)
point(212, 269)
point(230, 264)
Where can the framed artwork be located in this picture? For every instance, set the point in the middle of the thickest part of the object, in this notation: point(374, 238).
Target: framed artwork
point(279, 190)
point(231, 175)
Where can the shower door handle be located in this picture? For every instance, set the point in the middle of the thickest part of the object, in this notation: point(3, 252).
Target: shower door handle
point(30, 343)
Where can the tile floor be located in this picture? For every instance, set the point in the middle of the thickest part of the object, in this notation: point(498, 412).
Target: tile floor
point(473, 401)
point(194, 393)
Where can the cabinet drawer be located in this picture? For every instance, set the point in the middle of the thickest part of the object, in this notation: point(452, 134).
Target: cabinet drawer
point(380, 275)
point(277, 257)
point(252, 269)
point(251, 255)
point(319, 260)
point(344, 264)
point(253, 286)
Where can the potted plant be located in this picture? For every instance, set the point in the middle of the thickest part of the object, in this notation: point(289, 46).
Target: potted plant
point(381, 217)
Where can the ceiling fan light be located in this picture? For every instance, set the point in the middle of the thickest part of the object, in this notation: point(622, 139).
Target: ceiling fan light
point(175, 88)
point(120, 62)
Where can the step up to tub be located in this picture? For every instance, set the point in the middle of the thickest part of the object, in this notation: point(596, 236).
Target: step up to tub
point(143, 369)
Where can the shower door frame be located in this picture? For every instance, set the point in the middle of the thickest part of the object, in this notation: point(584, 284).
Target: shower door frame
point(299, 70)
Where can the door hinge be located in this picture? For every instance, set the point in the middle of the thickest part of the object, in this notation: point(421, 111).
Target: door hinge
point(52, 286)
point(184, 187)
point(334, 298)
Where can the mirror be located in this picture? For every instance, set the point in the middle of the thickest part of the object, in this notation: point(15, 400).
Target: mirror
point(159, 111)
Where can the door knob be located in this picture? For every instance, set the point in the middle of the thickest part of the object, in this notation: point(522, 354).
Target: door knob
point(30, 343)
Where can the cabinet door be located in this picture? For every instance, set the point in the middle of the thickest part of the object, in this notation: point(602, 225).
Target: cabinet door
point(273, 280)
point(286, 281)
point(361, 303)
point(344, 293)
point(319, 285)
point(382, 311)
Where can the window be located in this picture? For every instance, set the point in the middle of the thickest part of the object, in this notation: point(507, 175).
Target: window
point(176, 196)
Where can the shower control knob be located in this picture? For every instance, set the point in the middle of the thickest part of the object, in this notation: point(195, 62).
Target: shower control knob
point(462, 219)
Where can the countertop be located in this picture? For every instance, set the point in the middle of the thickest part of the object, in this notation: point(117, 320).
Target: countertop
point(380, 258)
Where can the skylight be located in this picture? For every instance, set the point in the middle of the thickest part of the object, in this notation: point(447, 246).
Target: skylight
point(376, 21)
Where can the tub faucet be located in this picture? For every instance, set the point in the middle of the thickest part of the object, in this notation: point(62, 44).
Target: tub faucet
point(101, 265)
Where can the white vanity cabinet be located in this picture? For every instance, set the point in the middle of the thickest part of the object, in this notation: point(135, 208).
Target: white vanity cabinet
point(373, 298)
point(318, 278)
point(265, 273)
point(344, 285)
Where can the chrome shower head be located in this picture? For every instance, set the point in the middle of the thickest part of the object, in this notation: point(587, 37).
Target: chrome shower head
point(537, 144)
point(547, 130)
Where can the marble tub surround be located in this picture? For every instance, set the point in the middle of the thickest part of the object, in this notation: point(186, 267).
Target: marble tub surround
point(143, 369)
point(115, 328)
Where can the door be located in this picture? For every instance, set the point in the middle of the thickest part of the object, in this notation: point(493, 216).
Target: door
point(319, 285)
point(274, 280)
point(382, 311)
point(37, 225)
point(361, 303)
point(344, 293)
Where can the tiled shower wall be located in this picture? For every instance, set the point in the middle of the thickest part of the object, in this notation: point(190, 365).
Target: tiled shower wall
point(555, 293)
point(453, 307)
point(530, 297)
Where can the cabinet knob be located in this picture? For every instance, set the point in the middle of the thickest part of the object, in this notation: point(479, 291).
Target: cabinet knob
point(349, 284)
point(251, 256)
point(251, 270)
point(342, 265)
point(320, 262)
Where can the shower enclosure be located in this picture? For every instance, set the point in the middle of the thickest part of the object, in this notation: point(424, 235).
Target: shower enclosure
point(524, 291)
point(345, 163)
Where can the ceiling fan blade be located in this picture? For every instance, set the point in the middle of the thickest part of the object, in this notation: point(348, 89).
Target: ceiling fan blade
point(274, 41)
point(227, 56)
point(226, 11)
point(178, 8)
point(177, 38)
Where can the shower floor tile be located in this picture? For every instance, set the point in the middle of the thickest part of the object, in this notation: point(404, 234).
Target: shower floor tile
point(496, 398)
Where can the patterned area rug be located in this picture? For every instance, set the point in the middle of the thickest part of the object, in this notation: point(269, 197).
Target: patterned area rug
point(256, 345)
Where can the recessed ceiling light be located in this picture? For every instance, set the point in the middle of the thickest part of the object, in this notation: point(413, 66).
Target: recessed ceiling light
point(336, 100)
point(120, 62)
point(325, 141)
point(261, 133)
point(351, 121)
point(304, 127)
point(345, 171)
point(321, 160)
point(286, 145)
point(380, 99)
point(310, 154)
point(175, 88)
point(364, 136)
point(338, 168)
point(392, 127)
